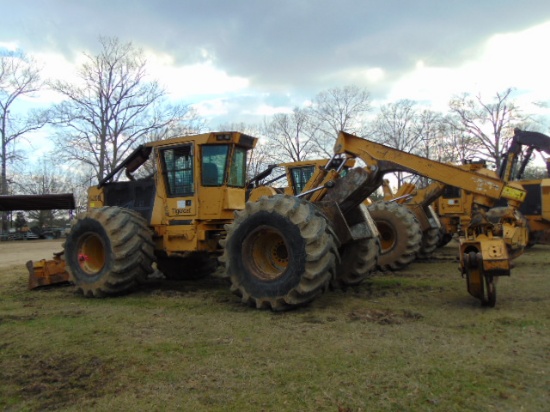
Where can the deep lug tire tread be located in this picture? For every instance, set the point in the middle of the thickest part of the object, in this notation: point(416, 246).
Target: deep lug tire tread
point(129, 251)
point(409, 235)
point(319, 247)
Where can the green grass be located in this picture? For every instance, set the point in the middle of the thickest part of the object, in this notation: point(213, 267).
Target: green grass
point(412, 341)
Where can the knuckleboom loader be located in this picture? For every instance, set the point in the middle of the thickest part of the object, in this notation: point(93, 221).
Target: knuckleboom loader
point(454, 215)
point(282, 251)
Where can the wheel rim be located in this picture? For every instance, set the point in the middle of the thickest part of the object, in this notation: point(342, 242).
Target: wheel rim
point(91, 254)
point(387, 236)
point(265, 253)
point(474, 275)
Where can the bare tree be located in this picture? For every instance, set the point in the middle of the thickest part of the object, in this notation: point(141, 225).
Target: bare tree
point(456, 146)
point(19, 78)
point(397, 125)
point(431, 131)
point(491, 124)
point(290, 136)
point(112, 108)
point(43, 179)
point(191, 123)
point(339, 109)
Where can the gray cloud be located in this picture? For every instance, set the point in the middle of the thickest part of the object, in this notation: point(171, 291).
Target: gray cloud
point(297, 46)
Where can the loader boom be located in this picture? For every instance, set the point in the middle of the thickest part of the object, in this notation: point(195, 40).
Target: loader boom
point(387, 159)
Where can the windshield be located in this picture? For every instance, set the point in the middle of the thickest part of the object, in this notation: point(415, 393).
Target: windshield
point(214, 161)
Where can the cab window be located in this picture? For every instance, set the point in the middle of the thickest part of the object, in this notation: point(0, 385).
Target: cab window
point(214, 163)
point(300, 176)
point(178, 166)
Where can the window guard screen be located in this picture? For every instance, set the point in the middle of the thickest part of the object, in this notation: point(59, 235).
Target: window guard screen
point(300, 176)
point(178, 164)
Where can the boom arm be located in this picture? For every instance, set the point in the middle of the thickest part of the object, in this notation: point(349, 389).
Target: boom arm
point(388, 159)
point(131, 163)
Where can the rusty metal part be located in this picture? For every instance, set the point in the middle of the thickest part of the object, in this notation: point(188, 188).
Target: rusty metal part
point(351, 190)
point(47, 272)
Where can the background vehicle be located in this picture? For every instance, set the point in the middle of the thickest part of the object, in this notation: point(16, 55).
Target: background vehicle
point(536, 207)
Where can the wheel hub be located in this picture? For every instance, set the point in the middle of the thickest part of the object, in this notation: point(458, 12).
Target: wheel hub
point(265, 253)
point(91, 254)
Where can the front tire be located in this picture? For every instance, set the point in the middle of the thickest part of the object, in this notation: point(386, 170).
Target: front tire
point(280, 253)
point(108, 251)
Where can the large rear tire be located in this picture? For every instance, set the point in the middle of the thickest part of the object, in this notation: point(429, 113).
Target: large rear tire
point(280, 253)
point(108, 251)
point(400, 234)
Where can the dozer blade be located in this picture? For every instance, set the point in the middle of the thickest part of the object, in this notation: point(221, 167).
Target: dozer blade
point(47, 272)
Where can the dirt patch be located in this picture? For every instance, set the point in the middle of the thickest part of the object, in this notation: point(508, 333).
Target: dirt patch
point(21, 251)
point(54, 382)
point(383, 317)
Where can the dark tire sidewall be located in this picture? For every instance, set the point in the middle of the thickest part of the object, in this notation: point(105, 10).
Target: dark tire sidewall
point(296, 246)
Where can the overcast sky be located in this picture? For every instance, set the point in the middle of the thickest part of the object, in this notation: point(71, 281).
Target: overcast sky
point(239, 60)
